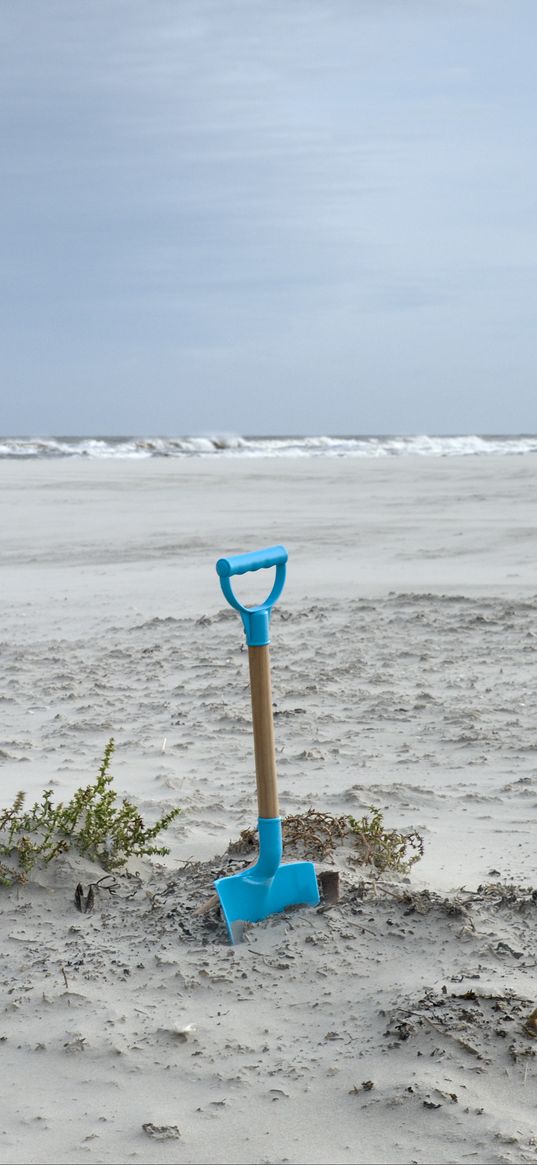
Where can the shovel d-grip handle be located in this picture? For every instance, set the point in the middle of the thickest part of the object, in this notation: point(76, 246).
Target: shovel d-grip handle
point(256, 620)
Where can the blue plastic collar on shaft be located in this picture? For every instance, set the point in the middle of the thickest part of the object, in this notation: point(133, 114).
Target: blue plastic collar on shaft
point(270, 847)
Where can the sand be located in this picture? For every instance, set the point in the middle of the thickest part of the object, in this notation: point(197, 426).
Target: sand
point(389, 1027)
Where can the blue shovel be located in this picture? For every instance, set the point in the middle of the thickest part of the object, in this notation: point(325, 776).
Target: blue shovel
point(268, 887)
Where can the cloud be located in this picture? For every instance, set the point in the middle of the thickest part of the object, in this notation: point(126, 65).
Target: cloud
point(260, 176)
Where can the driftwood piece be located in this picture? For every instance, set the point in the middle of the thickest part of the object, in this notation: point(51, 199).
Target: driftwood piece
point(206, 907)
point(329, 886)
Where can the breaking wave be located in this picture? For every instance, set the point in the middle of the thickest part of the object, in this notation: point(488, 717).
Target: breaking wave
point(236, 446)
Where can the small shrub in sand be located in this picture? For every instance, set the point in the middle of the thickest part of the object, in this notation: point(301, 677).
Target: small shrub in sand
point(92, 823)
point(385, 849)
point(316, 835)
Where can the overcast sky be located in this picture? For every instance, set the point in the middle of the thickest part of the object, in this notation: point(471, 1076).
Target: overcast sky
point(268, 216)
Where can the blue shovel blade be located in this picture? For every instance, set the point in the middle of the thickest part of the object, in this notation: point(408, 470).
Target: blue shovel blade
point(246, 897)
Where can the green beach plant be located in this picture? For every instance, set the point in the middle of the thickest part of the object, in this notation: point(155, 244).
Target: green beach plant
point(382, 848)
point(94, 823)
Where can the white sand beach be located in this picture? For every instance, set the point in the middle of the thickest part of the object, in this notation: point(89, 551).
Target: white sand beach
point(388, 1027)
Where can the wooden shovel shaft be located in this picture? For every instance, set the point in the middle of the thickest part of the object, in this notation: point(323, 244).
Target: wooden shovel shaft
point(263, 724)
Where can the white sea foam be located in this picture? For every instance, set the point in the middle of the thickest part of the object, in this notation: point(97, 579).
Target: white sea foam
point(232, 445)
